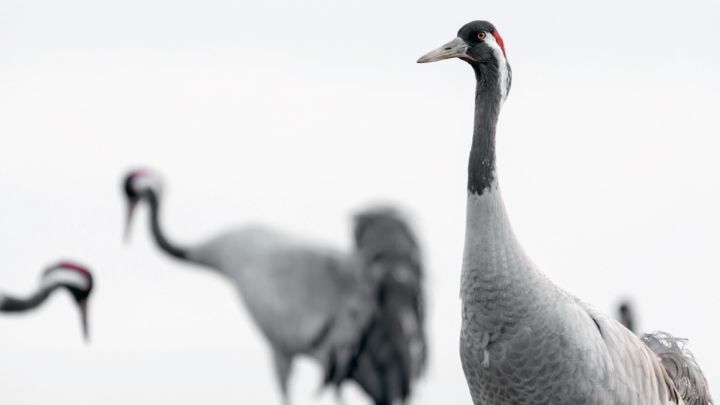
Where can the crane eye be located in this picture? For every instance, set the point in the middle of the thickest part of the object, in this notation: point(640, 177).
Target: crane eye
point(481, 35)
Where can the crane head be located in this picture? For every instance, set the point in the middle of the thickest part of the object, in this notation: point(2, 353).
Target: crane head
point(136, 185)
point(77, 280)
point(477, 42)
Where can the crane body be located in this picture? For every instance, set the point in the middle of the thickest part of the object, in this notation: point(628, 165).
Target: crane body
point(316, 301)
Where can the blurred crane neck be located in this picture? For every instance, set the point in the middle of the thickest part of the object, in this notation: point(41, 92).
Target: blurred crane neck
point(14, 304)
point(162, 241)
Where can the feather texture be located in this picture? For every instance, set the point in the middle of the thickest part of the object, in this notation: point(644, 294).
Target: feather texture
point(681, 366)
point(393, 351)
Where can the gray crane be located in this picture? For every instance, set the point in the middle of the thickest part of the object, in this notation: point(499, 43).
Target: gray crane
point(523, 339)
point(360, 314)
point(67, 275)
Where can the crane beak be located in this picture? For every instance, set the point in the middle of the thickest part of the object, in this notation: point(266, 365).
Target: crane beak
point(128, 219)
point(83, 320)
point(457, 48)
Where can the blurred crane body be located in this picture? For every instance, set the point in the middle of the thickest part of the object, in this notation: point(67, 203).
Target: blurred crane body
point(359, 315)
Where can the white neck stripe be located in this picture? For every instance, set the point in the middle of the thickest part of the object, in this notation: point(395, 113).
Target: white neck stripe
point(67, 278)
point(146, 182)
point(502, 66)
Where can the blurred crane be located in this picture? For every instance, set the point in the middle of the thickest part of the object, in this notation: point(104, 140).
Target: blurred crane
point(75, 279)
point(524, 340)
point(359, 315)
point(626, 316)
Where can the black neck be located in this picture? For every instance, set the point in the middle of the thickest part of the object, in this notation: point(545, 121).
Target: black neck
point(162, 241)
point(481, 168)
point(14, 304)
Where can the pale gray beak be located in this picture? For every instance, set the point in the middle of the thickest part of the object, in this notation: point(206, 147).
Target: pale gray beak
point(453, 49)
point(131, 204)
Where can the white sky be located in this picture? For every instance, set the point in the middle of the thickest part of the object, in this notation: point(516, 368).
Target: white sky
point(294, 114)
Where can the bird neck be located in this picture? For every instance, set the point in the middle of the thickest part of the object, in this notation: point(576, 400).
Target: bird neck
point(493, 258)
point(162, 241)
point(17, 304)
point(488, 101)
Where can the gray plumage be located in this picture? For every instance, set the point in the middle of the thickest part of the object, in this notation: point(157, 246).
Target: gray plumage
point(524, 340)
point(679, 362)
point(316, 301)
point(393, 352)
point(681, 366)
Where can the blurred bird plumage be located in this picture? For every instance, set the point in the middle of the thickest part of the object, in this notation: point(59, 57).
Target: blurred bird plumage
point(358, 314)
point(626, 316)
point(393, 351)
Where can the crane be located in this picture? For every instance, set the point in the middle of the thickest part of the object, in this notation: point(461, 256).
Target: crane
point(64, 275)
point(360, 315)
point(523, 339)
point(626, 315)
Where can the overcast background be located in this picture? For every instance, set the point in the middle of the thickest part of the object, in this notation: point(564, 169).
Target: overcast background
point(295, 114)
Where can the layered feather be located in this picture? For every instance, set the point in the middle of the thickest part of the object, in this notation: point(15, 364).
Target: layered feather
point(680, 364)
point(392, 353)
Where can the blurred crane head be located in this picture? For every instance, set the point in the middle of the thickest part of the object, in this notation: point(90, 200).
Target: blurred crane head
point(138, 184)
point(626, 315)
point(77, 280)
point(477, 42)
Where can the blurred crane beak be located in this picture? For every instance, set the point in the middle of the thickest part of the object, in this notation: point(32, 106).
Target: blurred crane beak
point(83, 320)
point(128, 219)
point(457, 48)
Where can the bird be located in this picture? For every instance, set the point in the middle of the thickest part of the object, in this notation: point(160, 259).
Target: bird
point(523, 340)
point(67, 275)
point(359, 314)
point(626, 315)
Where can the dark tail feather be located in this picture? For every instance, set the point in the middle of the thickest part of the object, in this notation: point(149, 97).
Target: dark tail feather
point(391, 353)
point(389, 246)
point(681, 367)
point(383, 366)
point(392, 350)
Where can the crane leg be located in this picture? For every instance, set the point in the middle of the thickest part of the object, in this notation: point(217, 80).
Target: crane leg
point(283, 363)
